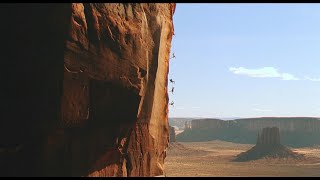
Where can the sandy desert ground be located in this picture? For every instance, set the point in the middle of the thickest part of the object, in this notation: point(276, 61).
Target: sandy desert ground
point(214, 158)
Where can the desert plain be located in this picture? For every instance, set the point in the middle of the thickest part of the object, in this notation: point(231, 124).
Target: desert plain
point(214, 158)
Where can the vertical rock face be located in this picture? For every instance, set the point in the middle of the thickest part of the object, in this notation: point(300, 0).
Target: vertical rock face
point(172, 134)
point(286, 124)
point(269, 136)
point(208, 123)
point(97, 100)
point(187, 125)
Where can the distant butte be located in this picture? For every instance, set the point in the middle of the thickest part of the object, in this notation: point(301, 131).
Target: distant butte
point(268, 145)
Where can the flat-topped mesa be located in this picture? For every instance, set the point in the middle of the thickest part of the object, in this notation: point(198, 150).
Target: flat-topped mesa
point(269, 136)
point(172, 134)
point(244, 131)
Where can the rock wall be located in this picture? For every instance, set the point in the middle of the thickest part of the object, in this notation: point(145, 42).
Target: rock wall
point(294, 131)
point(285, 124)
point(179, 122)
point(172, 134)
point(255, 124)
point(269, 136)
point(208, 123)
point(88, 89)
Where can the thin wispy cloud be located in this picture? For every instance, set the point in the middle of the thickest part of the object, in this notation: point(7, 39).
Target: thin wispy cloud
point(180, 108)
point(261, 110)
point(265, 72)
point(311, 79)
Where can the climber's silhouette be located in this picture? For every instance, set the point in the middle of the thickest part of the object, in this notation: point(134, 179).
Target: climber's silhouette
point(172, 103)
point(172, 90)
point(173, 56)
point(172, 81)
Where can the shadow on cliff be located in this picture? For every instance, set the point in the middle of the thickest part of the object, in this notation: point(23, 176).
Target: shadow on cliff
point(32, 47)
point(32, 143)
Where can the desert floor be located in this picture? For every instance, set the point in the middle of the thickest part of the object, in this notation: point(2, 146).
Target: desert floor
point(214, 158)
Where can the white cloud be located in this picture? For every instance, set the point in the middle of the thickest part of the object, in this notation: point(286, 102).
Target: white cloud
point(265, 72)
point(311, 79)
point(262, 110)
point(288, 77)
point(180, 108)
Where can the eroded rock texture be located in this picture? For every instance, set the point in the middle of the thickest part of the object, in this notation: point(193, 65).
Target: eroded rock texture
point(172, 134)
point(269, 136)
point(88, 89)
point(268, 146)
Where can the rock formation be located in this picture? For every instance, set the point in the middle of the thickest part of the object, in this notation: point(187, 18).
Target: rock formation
point(178, 122)
point(172, 134)
point(208, 123)
point(187, 125)
point(289, 124)
point(295, 131)
point(269, 136)
point(85, 89)
point(268, 145)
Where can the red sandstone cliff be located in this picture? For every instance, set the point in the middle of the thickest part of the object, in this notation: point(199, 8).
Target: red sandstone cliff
point(96, 102)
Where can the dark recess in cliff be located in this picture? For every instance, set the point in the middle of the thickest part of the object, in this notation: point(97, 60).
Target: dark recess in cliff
point(33, 42)
point(84, 89)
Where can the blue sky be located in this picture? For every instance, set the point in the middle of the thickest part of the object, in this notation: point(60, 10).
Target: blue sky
point(245, 60)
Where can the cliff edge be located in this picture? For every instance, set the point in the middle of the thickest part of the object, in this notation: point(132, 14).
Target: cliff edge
point(87, 89)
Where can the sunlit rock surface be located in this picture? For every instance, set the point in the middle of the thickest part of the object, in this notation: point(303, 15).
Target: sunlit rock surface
point(87, 89)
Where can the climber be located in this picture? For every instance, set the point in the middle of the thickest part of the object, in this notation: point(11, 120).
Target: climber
point(172, 103)
point(173, 56)
point(172, 81)
point(172, 90)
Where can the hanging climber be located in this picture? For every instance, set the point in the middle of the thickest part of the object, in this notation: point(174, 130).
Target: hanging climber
point(172, 103)
point(172, 90)
point(172, 81)
point(173, 56)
